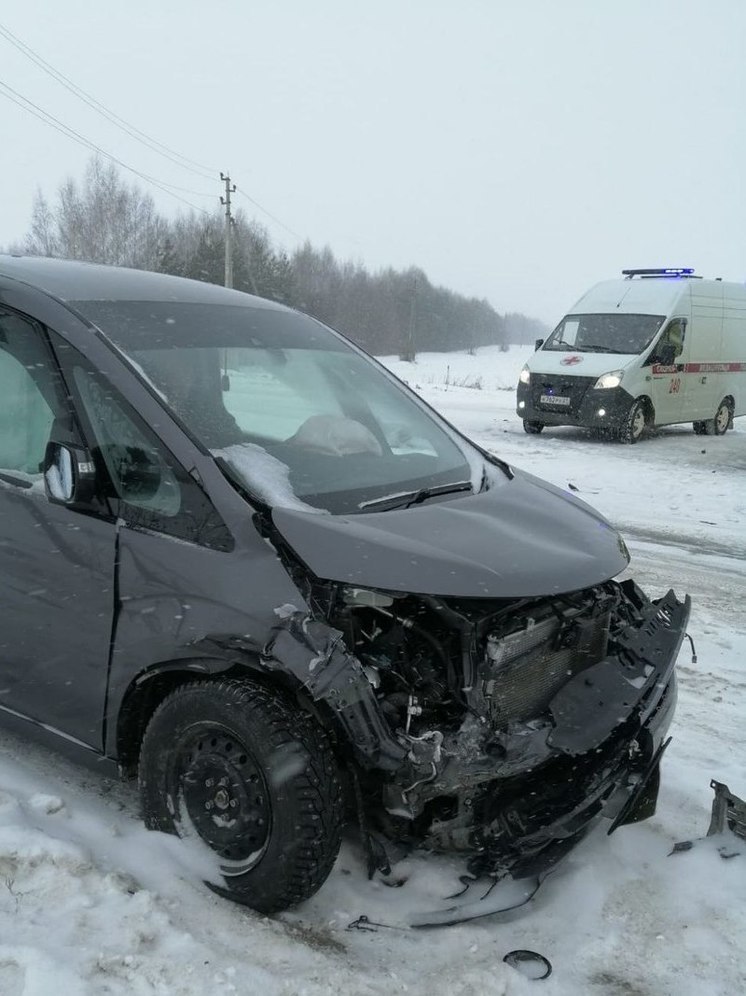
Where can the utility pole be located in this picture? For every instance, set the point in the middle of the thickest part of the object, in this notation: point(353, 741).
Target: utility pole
point(229, 189)
point(411, 353)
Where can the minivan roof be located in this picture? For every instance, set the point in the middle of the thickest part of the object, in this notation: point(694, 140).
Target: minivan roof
point(72, 280)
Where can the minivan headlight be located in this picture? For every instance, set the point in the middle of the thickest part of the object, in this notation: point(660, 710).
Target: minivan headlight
point(611, 379)
point(525, 375)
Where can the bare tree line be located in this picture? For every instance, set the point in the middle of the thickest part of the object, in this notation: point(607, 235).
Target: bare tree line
point(103, 219)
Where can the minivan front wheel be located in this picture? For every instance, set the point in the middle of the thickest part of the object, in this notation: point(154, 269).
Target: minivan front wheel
point(255, 778)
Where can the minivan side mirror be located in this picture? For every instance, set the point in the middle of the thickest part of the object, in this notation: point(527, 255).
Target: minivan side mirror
point(538, 344)
point(69, 473)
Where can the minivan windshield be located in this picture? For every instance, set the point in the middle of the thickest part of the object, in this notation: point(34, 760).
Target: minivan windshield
point(291, 411)
point(605, 333)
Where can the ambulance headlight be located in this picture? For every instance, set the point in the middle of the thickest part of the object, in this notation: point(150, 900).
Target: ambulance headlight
point(525, 375)
point(611, 379)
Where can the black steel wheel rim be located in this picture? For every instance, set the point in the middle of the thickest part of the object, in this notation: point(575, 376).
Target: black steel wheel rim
point(224, 796)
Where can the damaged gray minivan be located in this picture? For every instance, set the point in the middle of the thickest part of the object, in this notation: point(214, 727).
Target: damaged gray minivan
point(243, 563)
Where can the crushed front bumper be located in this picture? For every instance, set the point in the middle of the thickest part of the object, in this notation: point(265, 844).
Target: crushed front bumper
point(526, 795)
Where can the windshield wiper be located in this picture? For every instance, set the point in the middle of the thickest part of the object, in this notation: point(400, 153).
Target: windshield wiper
point(405, 499)
point(594, 348)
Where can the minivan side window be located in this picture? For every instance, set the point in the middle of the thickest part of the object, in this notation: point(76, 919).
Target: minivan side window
point(152, 489)
point(29, 399)
point(140, 475)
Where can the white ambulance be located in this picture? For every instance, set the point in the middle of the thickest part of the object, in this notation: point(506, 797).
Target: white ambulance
point(657, 347)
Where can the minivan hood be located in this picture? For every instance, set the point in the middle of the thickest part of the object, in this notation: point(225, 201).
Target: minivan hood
point(554, 361)
point(523, 539)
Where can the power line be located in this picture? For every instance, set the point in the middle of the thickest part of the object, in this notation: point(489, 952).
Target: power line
point(38, 112)
point(153, 144)
point(268, 213)
point(139, 136)
point(168, 188)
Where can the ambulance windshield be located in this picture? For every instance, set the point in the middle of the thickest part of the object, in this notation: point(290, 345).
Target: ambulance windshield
point(607, 333)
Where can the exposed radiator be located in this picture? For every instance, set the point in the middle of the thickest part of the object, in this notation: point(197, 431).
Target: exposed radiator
point(527, 667)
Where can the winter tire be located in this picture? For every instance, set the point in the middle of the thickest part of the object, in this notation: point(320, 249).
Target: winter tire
point(700, 428)
point(633, 425)
point(255, 778)
point(532, 428)
point(718, 425)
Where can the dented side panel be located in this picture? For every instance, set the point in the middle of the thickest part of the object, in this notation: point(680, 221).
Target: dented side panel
point(177, 601)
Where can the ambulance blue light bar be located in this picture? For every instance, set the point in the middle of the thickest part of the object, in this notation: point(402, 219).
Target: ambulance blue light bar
point(668, 271)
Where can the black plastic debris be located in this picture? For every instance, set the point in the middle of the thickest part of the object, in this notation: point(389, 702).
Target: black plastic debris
point(530, 964)
point(371, 926)
point(502, 897)
point(728, 813)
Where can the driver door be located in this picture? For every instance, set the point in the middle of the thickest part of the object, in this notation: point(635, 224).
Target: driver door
point(666, 365)
point(56, 561)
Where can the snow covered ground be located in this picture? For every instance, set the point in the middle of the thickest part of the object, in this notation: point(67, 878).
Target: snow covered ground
point(90, 903)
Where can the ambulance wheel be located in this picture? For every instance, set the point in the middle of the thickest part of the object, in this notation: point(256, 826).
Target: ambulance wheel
point(718, 426)
point(532, 428)
point(700, 428)
point(633, 425)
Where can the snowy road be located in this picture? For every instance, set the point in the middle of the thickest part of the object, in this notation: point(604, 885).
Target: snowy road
point(92, 904)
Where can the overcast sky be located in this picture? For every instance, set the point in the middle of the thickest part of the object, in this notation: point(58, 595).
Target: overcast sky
point(518, 150)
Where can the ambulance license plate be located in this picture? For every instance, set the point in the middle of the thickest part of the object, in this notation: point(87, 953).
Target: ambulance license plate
point(554, 399)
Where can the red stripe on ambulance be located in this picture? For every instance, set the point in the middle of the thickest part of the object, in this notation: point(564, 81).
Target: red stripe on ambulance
point(698, 368)
point(694, 368)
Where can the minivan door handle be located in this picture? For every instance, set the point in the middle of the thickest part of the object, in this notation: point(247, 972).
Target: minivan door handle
point(703, 380)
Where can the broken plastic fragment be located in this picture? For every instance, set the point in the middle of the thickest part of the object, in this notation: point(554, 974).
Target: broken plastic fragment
point(530, 964)
point(506, 895)
point(728, 811)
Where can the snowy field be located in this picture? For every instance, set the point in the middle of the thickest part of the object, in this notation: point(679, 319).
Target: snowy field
point(90, 903)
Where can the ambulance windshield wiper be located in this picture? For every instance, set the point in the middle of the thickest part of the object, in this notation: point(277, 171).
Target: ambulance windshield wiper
point(595, 348)
point(404, 499)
